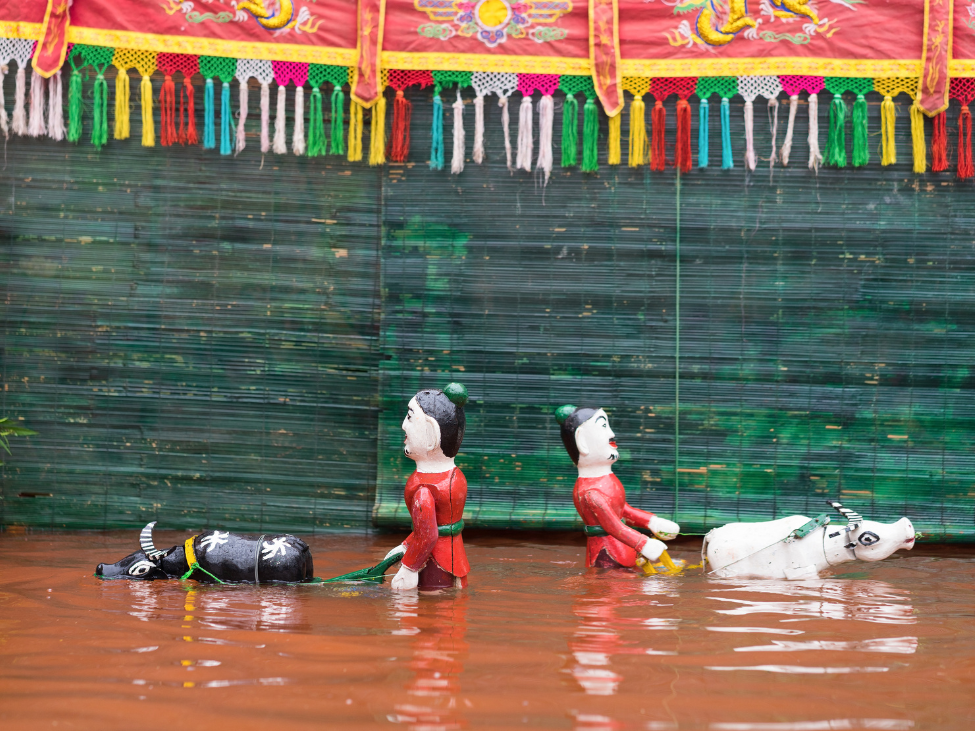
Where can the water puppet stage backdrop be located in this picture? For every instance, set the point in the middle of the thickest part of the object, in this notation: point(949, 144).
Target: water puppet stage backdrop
point(217, 305)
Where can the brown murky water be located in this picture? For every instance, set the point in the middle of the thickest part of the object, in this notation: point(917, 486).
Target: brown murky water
point(536, 641)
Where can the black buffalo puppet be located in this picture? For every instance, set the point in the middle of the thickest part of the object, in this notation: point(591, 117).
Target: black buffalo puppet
point(217, 557)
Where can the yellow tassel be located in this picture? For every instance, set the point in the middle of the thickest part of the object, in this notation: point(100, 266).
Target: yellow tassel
point(917, 137)
point(355, 132)
point(148, 126)
point(122, 105)
point(638, 133)
point(377, 135)
point(889, 153)
point(615, 152)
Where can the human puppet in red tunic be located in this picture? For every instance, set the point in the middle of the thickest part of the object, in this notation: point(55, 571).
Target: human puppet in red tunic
point(600, 498)
point(433, 554)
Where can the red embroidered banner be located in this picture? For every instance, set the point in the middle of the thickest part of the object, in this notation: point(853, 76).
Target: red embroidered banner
point(604, 35)
point(932, 94)
point(50, 52)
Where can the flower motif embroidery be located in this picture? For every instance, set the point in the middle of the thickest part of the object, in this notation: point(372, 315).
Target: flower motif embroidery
point(492, 21)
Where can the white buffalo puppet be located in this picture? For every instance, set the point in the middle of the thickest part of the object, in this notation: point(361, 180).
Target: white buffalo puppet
point(798, 547)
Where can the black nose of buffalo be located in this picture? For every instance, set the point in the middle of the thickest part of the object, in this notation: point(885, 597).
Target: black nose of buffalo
point(98, 569)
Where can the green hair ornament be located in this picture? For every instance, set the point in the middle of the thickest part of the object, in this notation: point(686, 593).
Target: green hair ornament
point(457, 393)
point(564, 412)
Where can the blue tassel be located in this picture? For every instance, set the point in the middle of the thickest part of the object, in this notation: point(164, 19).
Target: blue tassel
point(702, 135)
point(225, 114)
point(436, 151)
point(727, 162)
point(208, 133)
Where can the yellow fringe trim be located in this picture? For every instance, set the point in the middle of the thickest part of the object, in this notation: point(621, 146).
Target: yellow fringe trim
point(355, 132)
point(614, 152)
point(917, 138)
point(122, 105)
point(148, 125)
point(377, 135)
point(887, 111)
point(638, 133)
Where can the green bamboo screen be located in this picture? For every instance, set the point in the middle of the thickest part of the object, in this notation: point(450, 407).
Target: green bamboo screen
point(209, 342)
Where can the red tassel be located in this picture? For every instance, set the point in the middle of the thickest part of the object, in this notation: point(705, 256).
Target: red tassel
point(658, 151)
point(167, 110)
point(939, 145)
point(682, 156)
point(965, 169)
point(187, 135)
point(399, 142)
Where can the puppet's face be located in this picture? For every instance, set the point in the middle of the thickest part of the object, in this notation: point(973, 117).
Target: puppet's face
point(422, 432)
point(596, 441)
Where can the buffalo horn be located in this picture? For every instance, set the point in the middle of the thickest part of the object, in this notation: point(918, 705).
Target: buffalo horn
point(145, 540)
point(853, 518)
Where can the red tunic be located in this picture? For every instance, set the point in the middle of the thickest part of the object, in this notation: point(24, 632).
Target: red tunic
point(602, 501)
point(436, 499)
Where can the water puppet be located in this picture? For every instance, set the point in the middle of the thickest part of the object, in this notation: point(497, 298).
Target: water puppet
point(798, 547)
point(217, 557)
point(600, 498)
point(433, 554)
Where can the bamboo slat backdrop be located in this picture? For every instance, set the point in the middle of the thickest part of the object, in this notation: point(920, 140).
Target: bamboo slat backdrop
point(210, 341)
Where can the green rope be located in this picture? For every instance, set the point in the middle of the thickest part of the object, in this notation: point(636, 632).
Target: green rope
point(570, 131)
point(590, 137)
point(99, 127)
point(317, 143)
point(836, 142)
point(338, 126)
point(861, 143)
point(74, 107)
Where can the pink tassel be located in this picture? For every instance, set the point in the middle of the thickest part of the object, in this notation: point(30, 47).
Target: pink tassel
point(36, 127)
point(55, 108)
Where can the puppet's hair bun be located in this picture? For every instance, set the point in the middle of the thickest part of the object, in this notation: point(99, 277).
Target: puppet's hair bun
point(457, 393)
point(564, 412)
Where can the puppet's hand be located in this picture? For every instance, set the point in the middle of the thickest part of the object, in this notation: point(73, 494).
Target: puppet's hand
point(400, 550)
point(664, 529)
point(407, 579)
point(651, 549)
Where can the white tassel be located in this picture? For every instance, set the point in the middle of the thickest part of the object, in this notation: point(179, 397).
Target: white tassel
point(525, 141)
point(478, 153)
point(265, 115)
point(750, 159)
point(3, 106)
point(787, 145)
point(19, 122)
point(36, 127)
point(280, 141)
point(506, 128)
point(55, 107)
point(546, 120)
point(815, 156)
point(773, 105)
point(242, 104)
point(457, 159)
point(298, 137)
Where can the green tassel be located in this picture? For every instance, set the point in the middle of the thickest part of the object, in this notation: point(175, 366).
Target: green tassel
point(436, 148)
point(590, 137)
point(74, 107)
point(317, 144)
point(225, 116)
point(727, 161)
point(702, 135)
point(570, 131)
point(338, 125)
point(861, 143)
point(99, 127)
point(209, 132)
point(836, 142)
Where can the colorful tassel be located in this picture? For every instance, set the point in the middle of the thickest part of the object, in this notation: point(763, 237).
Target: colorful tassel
point(457, 156)
point(317, 142)
point(638, 133)
point(209, 114)
point(338, 122)
point(478, 152)
point(546, 127)
point(167, 113)
point(280, 145)
point(836, 141)
point(888, 155)
point(702, 134)
point(4, 122)
point(789, 130)
point(658, 149)
point(570, 131)
point(400, 141)
point(226, 115)
point(74, 107)
point(242, 102)
point(148, 124)
point(355, 132)
point(298, 134)
point(122, 105)
point(939, 144)
point(614, 151)
point(36, 127)
point(526, 142)
point(917, 139)
point(861, 139)
point(187, 133)
point(682, 154)
point(965, 168)
point(18, 123)
point(590, 137)
point(265, 118)
point(55, 109)
point(377, 135)
point(506, 129)
point(815, 156)
point(773, 106)
point(436, 146)
point(727, 160)
point(750, 158)
point(99, 127)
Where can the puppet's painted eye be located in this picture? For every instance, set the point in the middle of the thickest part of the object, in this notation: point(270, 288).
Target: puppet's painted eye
point(868, 539)
point(140, 568)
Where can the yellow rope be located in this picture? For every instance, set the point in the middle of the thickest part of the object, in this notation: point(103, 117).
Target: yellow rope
point(638, 133)
point(887, 110)
point(355, 132)
point(148, 126)
point(917, 138)
point(122, 105)
point(377, 135)
point(615, 152)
